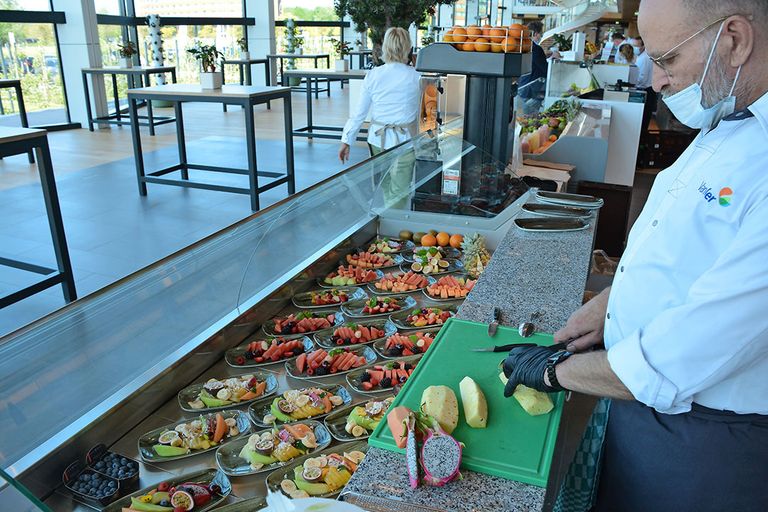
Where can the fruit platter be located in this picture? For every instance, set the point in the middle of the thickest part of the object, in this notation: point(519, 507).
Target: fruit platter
point(434, 266)
point(355, 333)
point(272, 448)
point(298, 404)
point(451, 287)
point(359, 420)
point(378, 306)
point(422, 317)
point(304, 322)
point(197, 492)
point(328, 297)
point(421, 254)
point(347, 276)
point(380, 378)
point(320, 476)
point(539, 131)
point(327, 363)
point(406, 344)
point(400, 282)
point(372, 260)
point(216, 394)
point(192, 437)
point(262, 352)
point(386, 245)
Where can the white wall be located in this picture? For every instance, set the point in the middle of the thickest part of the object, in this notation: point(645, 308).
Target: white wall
point(261, 36)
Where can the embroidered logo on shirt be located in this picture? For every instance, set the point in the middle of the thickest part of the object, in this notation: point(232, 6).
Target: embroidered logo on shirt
point(725, 196)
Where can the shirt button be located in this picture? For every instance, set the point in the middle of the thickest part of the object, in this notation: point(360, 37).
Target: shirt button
point(655, 223)
point(622, 268)
point(608, 316)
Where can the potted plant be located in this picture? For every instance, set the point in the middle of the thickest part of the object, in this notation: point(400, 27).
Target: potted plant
point(207, 55)
point(293, 44)
point(243, 44)
point(428, 39)
point(126, 52)
point(342, 50)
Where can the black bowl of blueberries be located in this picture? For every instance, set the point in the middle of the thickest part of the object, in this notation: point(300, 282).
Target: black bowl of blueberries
point(106, 476)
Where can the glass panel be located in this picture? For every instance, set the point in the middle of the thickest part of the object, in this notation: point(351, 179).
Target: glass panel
point(319, 10)
point(113, 7)
point(177, 39)
point(316, 40)
point(29, 52)
point(25, 5)
point(190, 8)
point(16, 497)
point(460, 13)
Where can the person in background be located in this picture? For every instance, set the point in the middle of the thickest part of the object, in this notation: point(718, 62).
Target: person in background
point(644, 81)
point(627, 52)
point(615, 56)
point(531, 86)
point(391, 93)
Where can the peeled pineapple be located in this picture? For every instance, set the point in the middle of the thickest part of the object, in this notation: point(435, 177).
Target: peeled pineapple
point(475, 255)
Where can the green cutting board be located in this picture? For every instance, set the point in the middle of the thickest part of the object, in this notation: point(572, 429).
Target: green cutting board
point(515, 445)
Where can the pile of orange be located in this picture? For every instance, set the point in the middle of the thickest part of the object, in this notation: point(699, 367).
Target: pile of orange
point(442, 239)
point(513, 39)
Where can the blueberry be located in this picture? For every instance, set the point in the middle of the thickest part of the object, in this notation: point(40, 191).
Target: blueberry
point(165, 503)
point(100, 465)
point(123, 462)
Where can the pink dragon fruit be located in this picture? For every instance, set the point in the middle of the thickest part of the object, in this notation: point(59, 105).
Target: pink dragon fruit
point(412, 452)
point(440, 453)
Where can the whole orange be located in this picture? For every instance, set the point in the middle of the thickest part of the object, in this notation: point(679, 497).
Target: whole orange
point(443, 239)
point(468, 46)
point(481, 45)
point(428, 241)
point(459, 34)
point(456, 240)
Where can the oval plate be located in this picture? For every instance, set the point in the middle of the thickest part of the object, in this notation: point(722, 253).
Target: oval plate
point(556, 210)
point(355, 309)
point(447, 252)
point(337, 420)
point(190, 393)
point(232, 354)
point(304, 300)
point(396, 260)
point(578, 200)
point(322, 284)
point(372, 286)
point(380, 344)
point(551, 224)
point(206, 477)
point(405, 245)
point(364, 350)
point(260, 408)
point(449, 299)
point(269, 326)
point(274, 478)
point(150, 438)
point(354, 378)
point(229, 461)
point(324, 338)
point(453, 266)
point(399, 318)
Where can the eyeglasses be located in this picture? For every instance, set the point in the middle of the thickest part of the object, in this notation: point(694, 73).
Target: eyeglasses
point(663, 60)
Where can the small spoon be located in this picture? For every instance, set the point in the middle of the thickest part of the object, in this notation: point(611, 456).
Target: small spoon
point(526, 329)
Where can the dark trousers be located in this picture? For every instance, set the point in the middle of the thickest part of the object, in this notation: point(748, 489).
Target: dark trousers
point(701, 461)
point(651, 102)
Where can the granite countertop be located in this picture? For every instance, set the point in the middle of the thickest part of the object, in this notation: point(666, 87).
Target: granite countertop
point(529, 274)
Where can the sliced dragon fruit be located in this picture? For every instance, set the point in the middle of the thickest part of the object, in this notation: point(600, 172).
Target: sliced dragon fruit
point(412, 452)
point(200, 493)
point(440, 458)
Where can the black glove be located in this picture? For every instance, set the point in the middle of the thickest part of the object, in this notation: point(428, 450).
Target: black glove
point(526, 365)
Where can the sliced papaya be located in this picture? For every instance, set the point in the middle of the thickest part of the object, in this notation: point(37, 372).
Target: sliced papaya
point(301, 362)
point(221, 428)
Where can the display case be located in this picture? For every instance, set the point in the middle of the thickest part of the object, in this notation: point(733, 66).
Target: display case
point(107, 368)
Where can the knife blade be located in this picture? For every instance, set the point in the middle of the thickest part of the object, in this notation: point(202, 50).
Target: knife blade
point(505, 348)
point(494, 325)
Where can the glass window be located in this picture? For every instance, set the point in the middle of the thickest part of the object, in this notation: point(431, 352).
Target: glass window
point(320, 10)
point(25, 5)
point(114, 7)
point(28, 51)
point(460, 13)
point(190, 8)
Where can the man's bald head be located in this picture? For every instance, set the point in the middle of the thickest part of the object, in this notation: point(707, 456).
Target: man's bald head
point(718, 8)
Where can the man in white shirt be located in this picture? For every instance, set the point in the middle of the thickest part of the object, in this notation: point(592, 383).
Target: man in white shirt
point(644, 81)
point(618, 40)
point(684, 324)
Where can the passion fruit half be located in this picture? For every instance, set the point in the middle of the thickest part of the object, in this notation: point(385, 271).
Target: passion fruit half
point(312, 474)
point(182, 500)
point(285, 406)
point(265, 446)
point(168, 437)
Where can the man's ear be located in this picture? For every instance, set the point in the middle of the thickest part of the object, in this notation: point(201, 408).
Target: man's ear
point(739, 31)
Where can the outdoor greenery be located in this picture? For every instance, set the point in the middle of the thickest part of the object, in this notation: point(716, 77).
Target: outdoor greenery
point(341, 48)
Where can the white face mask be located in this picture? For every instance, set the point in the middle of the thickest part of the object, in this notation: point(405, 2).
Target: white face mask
point(636, 49)
point(687, 107)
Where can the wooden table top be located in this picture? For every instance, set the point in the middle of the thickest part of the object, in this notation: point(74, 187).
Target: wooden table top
point(131, 70)
point(192, 91)
point(14, 134)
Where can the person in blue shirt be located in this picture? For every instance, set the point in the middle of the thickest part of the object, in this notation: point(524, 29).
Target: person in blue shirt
point(531, 87)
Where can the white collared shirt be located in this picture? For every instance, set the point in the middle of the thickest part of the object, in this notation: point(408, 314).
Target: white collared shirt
point(392, 93)
point(645, 71)
point(687, 317)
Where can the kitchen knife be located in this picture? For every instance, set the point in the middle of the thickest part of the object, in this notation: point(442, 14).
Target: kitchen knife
point(495, 323)
point(505, 348)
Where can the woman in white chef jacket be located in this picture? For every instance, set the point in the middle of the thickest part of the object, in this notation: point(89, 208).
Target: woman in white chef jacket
point(391, 92)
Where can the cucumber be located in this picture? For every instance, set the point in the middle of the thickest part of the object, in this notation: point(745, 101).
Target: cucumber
point(255, 457)
point(211, 401)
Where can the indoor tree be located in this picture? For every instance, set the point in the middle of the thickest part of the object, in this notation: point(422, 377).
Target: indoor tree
point(377, 16)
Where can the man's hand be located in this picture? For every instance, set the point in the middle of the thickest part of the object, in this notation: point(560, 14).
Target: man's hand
point(585, 326)
point(344, 152)
point(526, 364)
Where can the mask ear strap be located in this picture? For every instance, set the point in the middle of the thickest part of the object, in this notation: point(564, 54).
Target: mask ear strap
point(735, 79)
point(711, 53)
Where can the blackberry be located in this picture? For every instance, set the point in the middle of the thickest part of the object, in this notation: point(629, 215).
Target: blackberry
point(321, 370)
point(386, 382)
point(365, 377)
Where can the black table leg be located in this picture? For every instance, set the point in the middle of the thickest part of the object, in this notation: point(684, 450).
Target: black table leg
point(182, 145)
point(53, 209)
point(24, 120)
point(173, 76)
point(115, 96)
point(267, 81)
point(136, 137)
point(87, 101)
point(223, 81)
point(250, 142)
point(150, 115)
point(317, 84)
point(288, 122)
point(309, 107)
